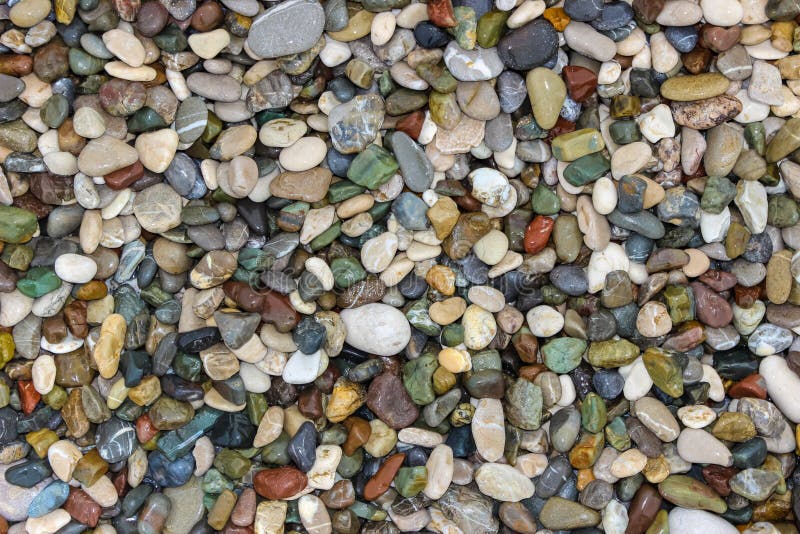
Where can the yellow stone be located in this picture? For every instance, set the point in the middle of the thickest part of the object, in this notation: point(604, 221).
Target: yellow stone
point(656, 469)
point(41, 440)
point(148, 390)
point(65, 10)
point(346, 398)
point(117, 394)
point(109, 345)
point(443, 381)
point(270, 516)
point(454, 360)
point(357, 27)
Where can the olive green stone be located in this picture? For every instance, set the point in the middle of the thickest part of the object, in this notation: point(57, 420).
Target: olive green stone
point(277, 451)
point(350, 465)
point(170, 414)
point(56, 399)
point(327, 237)
point(83, 63)
point(625, 106)
point(694, 87)
point(342, 190)
point(544, 201)
point(782, 211)
point(94, 406)
point(199, 215)
point(756, 136)
point(437, 76)
point(487, 359)
point(231, 464)
point(736, 240)
point(524, 404)
point(444, 109)
point(256, 407)
point(718, 193)
point(617, 434)
point(405, 101)
point(373, 167)
point(624, 132)
point(187, 366)
point(214, 482)
point(452, 335)
point(367, 511)
point(567, 237)
point(612, 353)
point(417, 314)
point(17, 257)
point(562, 514)
point(573, 145)
point(785, 141)
point(411, 480)
point(18, 137)
point(491, 26)
point(38, 281)
point(680, 303)
point(664, 370)
point(593, 413)
point(587, 169)
point(55, 110)
point(466, 28)
point(689, 492)
point(418, 378)
point(734, 426)
point(563, 354)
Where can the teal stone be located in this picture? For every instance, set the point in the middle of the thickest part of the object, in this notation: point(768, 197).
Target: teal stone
point(145, 119)
point(411, 480)
point(373, 167)
point(38, 281)
point(55, 110)
point(327, 237)
point(544, 201)
point(563, 354)
point(84, 64)
point(624, 132)
point(418, 378)
point(347, 271)
point(593, 413)
point(417, 315)
point(177, 443)
point(342, 190)
point(215, 482)
point(28, 474)
point(49, 499)
point(277, 451)
point(718, 193)
point(171, 40)
point(452, 335)
point(587, 169)
point(782, 211)
point(350, 465)
point(751, 453)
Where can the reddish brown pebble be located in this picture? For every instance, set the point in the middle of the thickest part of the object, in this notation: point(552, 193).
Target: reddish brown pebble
point(644, 507)
point(82, 508)
point(581, 82)
point(380, 481)
point(279, 483)
point(537, 234)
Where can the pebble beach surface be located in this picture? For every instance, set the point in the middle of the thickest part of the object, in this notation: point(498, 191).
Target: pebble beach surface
point(456, 267)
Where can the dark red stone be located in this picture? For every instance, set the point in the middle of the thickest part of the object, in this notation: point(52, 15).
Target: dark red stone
point(581, 82)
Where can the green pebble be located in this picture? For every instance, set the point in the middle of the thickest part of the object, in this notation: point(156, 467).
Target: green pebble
point(718, 193)
point(342, 190)
point(373, 167)
point(617, 434)
point(544, 201)
point(38, 281)
point(171, 40)
point(411, 480)
point(145, 119)
point(83, 63)
point(452, 335)
point(418, 378)
point(231, 464)
point(417, 315)
point(491, 26)
point(782, 211)
point(16, 225)
point(680, 302)
point(563, 354)
point(624, 132)
point(347, 271)
point(593, 413)
point(587, 169)
point(466, 28)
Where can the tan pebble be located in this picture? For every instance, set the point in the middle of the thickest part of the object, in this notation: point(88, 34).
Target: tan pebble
point(698, 263)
